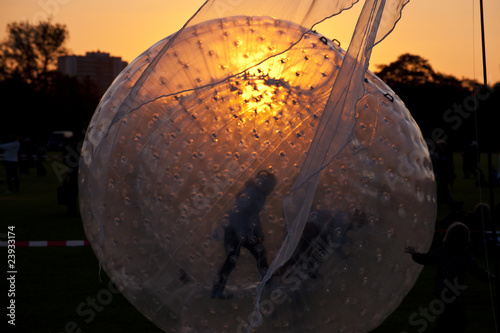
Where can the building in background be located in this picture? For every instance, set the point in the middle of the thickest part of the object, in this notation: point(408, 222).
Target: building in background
point(98, 67)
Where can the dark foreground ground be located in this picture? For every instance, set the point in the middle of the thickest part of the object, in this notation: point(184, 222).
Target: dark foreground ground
point(55, 287)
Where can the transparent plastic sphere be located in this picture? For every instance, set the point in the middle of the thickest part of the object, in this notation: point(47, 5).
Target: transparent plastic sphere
point(161, 166)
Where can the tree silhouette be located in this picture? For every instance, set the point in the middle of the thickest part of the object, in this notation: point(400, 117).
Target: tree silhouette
point(408, 70)
point(36, 98)
point(31, 51)
point(434, 99)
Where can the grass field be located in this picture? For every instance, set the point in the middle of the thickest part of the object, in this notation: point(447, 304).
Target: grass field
point(57, 287)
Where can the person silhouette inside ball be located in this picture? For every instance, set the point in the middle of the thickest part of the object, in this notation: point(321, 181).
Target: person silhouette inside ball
point(325, 234)
point(242, 227)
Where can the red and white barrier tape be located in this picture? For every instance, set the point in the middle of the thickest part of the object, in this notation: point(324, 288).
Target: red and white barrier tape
point(48, 243)
point(73, 243)
point(36, 157)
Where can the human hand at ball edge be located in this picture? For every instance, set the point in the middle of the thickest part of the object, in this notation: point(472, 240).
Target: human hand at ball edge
point(410, 249)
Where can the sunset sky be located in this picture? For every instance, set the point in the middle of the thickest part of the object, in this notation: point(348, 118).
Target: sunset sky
point(445, 32)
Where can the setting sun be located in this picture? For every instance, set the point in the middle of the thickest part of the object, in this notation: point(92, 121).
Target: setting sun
point(447, 33)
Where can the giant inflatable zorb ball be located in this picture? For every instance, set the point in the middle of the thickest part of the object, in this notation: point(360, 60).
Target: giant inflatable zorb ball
point(162, 164)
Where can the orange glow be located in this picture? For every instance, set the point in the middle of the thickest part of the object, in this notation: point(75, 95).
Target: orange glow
point(259, 96)
point(444, 32)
